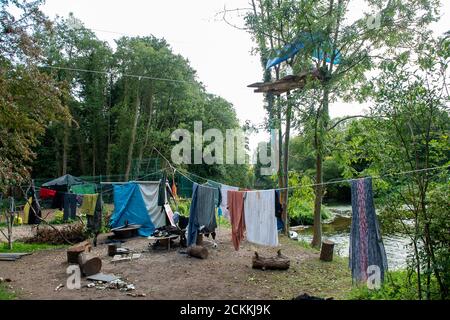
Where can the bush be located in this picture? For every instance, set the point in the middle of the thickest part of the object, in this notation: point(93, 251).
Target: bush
point(183, 206)
point(398, 285)
point(301, 202)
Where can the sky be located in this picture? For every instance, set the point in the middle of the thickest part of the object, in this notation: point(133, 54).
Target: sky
point(221, 55)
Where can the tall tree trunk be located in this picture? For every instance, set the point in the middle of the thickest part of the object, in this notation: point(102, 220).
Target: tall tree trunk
point(147, 129)
point(319, 137)
point(286, 165)
point(94, 153)
point(108, 149)
point(133, 136)
point(65, 149)
point(81, 152)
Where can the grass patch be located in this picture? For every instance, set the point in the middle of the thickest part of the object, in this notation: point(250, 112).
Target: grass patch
point(20, 247)
point(307, 274)
point(5, 294)
point(398, 285)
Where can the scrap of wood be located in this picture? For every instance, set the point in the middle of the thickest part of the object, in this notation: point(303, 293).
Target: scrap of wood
point(285, 84)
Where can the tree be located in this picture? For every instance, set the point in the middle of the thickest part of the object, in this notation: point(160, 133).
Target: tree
point(409, 133)
point(29, 99)
point(342, 51)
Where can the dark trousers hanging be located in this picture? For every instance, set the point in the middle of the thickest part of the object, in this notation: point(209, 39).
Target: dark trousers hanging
point(70, 206)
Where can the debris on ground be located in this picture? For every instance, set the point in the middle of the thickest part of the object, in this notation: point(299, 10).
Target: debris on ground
point(136, 295)
point(117, 284)
point(12, 256)
point(129, 257)
point(73, 233)
point(306, 296)
point(103, 277)
point(59, 287)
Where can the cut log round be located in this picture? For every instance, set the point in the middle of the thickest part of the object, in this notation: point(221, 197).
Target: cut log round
point(74, 251)
point(279, 262)
point(198, 252)
point(89, 265)
point(326, 253)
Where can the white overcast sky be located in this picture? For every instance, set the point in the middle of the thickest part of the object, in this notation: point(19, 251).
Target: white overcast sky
point(221, 54)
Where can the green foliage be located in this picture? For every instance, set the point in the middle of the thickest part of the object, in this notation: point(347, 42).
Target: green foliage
point(183, 206)
point(398, 285)
point(301, 202)
point(58, 218)
point(5, 294)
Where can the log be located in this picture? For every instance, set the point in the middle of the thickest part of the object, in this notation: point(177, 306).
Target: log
point(74, 251)
point(326, 253)
point(198, 252)
point(89, 265)
point(279, 262)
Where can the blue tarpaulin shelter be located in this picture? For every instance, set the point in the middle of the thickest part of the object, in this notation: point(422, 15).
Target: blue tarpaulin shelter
point(304, 40)
point(129, 206)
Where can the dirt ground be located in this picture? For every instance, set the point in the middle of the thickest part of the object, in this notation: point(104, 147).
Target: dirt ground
point(225, 274)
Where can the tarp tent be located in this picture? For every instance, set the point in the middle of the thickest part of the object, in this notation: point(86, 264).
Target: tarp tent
point(137, 203)
point(64, 182)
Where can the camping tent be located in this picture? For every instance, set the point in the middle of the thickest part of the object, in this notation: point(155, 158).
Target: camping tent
point(63, 183)
point(137, 203)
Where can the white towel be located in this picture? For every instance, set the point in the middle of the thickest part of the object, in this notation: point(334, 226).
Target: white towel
point(224, 204)
point(260, 220)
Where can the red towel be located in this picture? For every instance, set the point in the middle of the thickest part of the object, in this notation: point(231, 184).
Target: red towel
point(236, 209)
point(46, 193)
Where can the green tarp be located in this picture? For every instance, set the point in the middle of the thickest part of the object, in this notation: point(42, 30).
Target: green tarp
point(83, 189)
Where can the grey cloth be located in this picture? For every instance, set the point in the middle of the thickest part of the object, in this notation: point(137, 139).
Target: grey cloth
point(202, 216)
point(150, 194)
point(70, 206)
point(366, 245)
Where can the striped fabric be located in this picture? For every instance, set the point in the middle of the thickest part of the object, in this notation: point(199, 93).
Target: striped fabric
point(366, 244)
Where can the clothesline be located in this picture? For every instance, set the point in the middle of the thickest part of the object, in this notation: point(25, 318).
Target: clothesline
point(323, 183)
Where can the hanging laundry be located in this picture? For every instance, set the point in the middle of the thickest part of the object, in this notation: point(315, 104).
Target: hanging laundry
point(202, 215)
point(46, 193)
point(235, 200)
point(366, 244)
point(58, 200)
point(94, 222)
point(26, 210)
point(162, 197)
point(34, 213)
point(174, 190)
point(83, 189)
point(217, 192)
point(150, 194)
point(70, 206)
point(278, 210)
point(224, 204)
point(260, 221)
point(89, 204)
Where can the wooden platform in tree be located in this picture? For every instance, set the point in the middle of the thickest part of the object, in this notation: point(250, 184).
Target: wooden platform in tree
point(286, 84)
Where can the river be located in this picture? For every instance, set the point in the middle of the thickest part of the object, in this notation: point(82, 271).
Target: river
point(338, 231)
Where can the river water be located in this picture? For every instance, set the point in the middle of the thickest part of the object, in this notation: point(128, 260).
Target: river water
point(338, 231)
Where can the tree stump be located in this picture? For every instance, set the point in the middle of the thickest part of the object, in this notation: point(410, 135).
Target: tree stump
point(279, 262)
point(326, 253)
point(74, 251)
point(198, 252)
point(89, 265)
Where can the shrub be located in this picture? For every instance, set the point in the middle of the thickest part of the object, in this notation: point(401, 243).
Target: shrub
point(301, 202)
